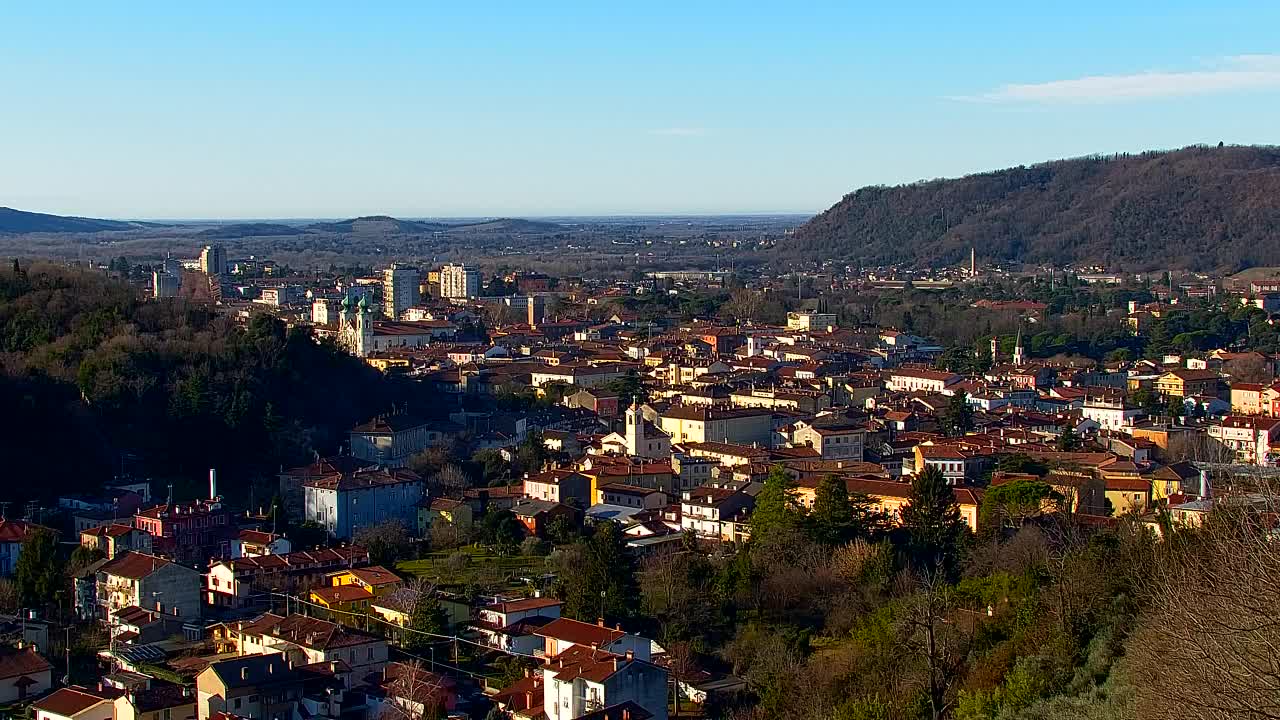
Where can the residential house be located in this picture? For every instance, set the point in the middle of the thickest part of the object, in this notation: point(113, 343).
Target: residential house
point(233, 583)
point(631, 496)
point(564, 633)
point(390, 440)
point(342, 503)
point(255, 543)
point(1250, 437)
point(156, 702)
point(562, 486)
point(537, 515)
point(114, 539)
point(919, 380)
point(890, 497)
point(585, 682)
point(303, 640)
point(396, 607)
point(833, 440)
point(353, 590)
point(694, 424)
point(24, 673)
point(512, 626)
point(455, 512)
point(1250, 399)
point(710, 511)
point(75, 703)
point(141, 580)
point(293, 481)
point(263, 687)
point(1185, 382)
point(1128, 495)
point(188, 532)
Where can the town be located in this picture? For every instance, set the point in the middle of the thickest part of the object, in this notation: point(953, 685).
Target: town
point(549, 536)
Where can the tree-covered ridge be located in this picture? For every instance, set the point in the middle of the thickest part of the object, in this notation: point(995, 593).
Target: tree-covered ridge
point(1200, 208)
point(93, 374)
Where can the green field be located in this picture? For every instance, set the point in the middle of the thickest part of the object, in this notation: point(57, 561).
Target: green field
point(483, 568)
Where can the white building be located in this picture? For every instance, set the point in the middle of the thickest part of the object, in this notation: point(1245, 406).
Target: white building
point(1110, 414)
point(459, 281)
point(399, 289)
point(933, 381)
point(1250, 437)
point(811, 321)
point(164, 284)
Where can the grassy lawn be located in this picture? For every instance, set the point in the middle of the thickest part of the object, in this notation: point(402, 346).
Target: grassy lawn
point(483, 568)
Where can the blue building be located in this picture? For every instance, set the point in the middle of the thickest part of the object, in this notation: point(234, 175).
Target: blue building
point(344, 503)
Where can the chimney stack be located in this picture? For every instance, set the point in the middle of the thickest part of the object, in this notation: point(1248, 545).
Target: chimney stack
point(244, 673)
point(631, 655)
point(600, 622)
point(213, 484)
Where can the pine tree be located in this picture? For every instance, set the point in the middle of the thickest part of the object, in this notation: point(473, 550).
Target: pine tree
point(932, 519)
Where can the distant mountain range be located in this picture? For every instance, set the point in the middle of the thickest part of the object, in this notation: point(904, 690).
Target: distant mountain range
point(21, 221)
point(1202, 208)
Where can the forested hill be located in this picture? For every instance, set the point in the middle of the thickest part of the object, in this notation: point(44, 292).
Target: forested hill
point(1203, 208)
point(91, 374)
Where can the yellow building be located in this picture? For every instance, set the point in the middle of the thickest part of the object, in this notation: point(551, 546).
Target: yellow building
point(353, 590)
point(1185, 383)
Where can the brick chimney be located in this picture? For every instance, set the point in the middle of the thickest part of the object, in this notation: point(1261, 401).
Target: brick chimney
point(600, 622)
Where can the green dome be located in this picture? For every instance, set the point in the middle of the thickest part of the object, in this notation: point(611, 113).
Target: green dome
point(346, 302)
point(364, 302)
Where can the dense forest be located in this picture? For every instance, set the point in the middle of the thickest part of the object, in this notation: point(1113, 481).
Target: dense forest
point(95, 380)
point(1196, 208)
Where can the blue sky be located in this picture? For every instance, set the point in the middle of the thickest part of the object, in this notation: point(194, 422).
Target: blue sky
point(260, 110)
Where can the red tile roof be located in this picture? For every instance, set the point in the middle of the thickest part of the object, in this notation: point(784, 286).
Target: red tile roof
point(134, 565)
point(27, 661)
point(580, 633)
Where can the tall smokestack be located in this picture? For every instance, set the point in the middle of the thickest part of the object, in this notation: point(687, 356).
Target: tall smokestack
point(213, 484)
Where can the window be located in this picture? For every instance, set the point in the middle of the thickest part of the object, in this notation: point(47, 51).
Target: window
point(253, 698)
point(371, 653)
point(236, 703)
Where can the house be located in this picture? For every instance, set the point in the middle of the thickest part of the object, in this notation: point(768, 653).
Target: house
point(708, 511)
point(1250, 399)
point(1250, 437)
point(1183, 383)
point(583, 681)
point(913, 380)
point(834, 441)
point(188, 532)
point(1111, 413)
point(344, 502)
point(13, 533)
point(890, 497)
point(303, 640)
point(564, 633)
point(537, 515)
point(699, 424)
point(140, 580)
point(263, 687)
point(599, 401)
point(617, 493)
point(115, 538)
point(23, 674)
point(233, 583)
point(353, 590)
point(455, 512)
point(562, 486)
point(153, 701)
point(293, 480)
point(255, 543)
point(1128, 495)
point(75, 703)
point(511, 626)
point(390, 440)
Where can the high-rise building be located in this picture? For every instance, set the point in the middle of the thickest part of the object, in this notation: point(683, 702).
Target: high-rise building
point(164, 284)
point(213, 260)
point(459, 281)
point(399, 289)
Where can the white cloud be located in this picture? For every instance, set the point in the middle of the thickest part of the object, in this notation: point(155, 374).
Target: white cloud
point(679, 132)
point(1239, 72)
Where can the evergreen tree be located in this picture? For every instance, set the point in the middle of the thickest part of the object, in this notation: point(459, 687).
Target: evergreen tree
point(39, 569)
point(933, 522)
point(958, 418)
point(832, 516)
point(427, 616)
point(776, 506)
point(1068, 441)
point(603, 579)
